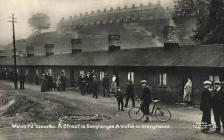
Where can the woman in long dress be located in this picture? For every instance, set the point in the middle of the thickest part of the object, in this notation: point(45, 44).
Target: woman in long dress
point(188, 91)
point(113, 87)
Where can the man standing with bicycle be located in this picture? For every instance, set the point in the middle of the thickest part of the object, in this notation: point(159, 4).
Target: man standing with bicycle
point(146, 99)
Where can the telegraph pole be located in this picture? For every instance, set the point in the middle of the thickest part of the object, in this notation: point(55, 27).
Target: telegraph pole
point(15, 76)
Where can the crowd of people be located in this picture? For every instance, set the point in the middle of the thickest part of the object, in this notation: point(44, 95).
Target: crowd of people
point(212, 98)
point(15, 78)
point(47, 83)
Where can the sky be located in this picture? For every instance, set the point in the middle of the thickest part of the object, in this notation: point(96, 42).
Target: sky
point(55, 9)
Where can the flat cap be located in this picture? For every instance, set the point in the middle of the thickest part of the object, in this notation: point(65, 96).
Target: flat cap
point(217, 83)
point(207, 82)
point(143, 81)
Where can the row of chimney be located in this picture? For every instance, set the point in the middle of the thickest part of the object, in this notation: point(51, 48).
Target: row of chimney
point(114, 44)
point(169, 33)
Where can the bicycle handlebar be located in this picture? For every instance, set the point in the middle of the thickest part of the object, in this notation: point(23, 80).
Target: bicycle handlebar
point(153, 100)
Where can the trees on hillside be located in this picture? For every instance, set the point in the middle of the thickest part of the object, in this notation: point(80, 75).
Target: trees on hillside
point(210, 19)
point(184, 8)
point(210, 25)
point(39, 22)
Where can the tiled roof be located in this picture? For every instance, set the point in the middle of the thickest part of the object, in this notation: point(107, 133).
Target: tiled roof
point(189, 56)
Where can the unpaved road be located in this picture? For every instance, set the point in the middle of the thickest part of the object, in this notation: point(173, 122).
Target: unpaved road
point(181, 125)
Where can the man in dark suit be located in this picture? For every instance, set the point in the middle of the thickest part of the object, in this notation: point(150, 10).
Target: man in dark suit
point(146, 99)
point(82, 83)
point(21, 80)
point(222, 112)
point(205, 106)
point(130, 93)
point(15, 79)
point(119, 95)
point(106, 85)
point(95, 87)
point(88, 80)
point(217, 104)
point(63, 81)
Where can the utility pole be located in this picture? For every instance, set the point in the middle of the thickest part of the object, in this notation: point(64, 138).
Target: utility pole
point(15, 76)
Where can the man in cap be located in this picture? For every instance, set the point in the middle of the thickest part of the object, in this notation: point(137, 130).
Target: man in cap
point(22, 79)
point(205, 106)
point(217, 104)
point(95, 86)
point(82, 83)
point(130, 93)
point(119, 95)
point(43, 83)
point(63, 80)
point(222, 112)
point(146, 99)
point(106, 85)
point(88, 80)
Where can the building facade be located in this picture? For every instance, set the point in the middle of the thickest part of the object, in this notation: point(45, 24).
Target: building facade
point(166, 69)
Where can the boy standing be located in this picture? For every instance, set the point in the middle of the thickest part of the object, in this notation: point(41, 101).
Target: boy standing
point(120, 95)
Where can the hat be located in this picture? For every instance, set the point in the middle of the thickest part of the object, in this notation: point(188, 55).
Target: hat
point(207, 82)
point(217, 83)
point(143, 81)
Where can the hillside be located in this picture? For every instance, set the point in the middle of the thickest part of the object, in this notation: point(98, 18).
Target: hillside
point(95, 37)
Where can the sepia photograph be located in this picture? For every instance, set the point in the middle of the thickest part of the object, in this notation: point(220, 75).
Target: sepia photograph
point(111, 69)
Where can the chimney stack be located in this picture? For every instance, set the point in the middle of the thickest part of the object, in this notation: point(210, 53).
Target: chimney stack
point(49, 49)
point(170, 35)
point(76, 45)
point(111, 9)
point(114, 42)
point(133, 5)
point(141, 4)
point(29, 51)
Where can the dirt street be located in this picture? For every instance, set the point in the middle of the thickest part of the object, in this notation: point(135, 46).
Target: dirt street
point(181, 125)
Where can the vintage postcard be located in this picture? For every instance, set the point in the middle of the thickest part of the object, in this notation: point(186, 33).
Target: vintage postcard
point(111, 69)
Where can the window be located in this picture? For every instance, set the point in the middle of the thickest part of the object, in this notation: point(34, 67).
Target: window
point(131, 76)
point(162, 79)
point(214, 78)
point(101, 75)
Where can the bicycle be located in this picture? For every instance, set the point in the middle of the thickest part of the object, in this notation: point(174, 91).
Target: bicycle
point(161, 113)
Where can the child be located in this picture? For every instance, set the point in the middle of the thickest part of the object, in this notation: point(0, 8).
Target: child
point(119, 95)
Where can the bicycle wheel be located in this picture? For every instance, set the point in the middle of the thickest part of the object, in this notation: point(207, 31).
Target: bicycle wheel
point(135, 113)
point(162, 114)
